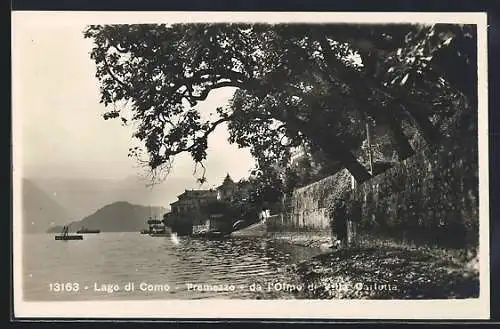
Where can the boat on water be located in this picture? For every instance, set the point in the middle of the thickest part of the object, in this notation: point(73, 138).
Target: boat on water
point(156, 228)
point(87, 230)
point(214, 227)
point(159, 232)
point(66, 236)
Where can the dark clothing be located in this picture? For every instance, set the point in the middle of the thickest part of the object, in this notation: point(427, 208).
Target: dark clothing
point(340, 218)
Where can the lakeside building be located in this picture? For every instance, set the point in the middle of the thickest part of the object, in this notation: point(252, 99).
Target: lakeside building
point(227, 189)
point(193, 205)
point(230, 191)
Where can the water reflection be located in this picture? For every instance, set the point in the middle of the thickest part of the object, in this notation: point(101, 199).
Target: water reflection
point(130, 257)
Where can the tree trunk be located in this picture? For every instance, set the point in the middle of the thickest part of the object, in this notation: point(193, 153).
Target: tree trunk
point(430, 133)
point(337, 152)
point(331, 146)
point(401, 143)
point(380, 115)
point(369, 140)
point(383, 116)
point(359, 172)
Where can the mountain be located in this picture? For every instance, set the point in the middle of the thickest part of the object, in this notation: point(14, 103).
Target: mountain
point(40, 210)
point(84, 196)
point(119, 216)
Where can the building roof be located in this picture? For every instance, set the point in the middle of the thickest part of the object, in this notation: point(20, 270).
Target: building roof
point(178, 203)
point(189, 195)
point(193, 194)
point(228, 181)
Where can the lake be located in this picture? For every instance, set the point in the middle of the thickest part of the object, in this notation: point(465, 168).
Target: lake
point(110, 266)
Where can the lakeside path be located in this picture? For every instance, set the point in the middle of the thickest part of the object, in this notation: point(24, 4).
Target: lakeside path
point(387, 272)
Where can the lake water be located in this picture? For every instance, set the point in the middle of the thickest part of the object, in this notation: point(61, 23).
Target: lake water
point(109, 266)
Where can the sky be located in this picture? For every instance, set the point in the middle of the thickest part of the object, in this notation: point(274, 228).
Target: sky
point(58, 117)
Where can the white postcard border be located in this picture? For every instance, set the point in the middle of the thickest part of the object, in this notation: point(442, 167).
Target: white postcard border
point(214, 308)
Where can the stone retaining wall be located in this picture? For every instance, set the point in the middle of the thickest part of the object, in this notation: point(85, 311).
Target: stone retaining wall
point(430, 198)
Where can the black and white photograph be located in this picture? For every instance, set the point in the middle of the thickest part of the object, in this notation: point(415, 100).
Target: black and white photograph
point(231, 164)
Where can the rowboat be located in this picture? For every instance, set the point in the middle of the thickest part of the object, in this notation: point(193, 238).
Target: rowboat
point(66, 236)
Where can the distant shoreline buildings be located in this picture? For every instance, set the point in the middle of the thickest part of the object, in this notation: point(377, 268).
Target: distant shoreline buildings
point(193, 205)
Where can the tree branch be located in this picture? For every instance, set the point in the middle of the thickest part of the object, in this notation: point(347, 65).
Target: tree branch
point(204, 94)
point(115, 45)
point(429, 132)
point(207, 132)
point(114, 77)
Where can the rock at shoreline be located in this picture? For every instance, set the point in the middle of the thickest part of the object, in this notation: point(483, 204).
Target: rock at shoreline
point(386, 273)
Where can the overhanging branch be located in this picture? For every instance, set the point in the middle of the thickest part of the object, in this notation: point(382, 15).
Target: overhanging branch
point(197, 140)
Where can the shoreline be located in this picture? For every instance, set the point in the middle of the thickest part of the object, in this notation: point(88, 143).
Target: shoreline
point(379, 270)
point(306, 239)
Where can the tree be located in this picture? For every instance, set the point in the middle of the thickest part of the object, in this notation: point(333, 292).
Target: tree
point(296, 83)
point(268, 187)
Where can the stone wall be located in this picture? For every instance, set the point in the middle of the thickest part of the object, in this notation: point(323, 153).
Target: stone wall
point(307, 209)
point(429, 198)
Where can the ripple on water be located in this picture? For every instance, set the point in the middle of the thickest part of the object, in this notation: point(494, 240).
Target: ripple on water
point(121, 258)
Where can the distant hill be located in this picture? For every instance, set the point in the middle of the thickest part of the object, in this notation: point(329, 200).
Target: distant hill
point(85, 196)
point(119, 216)
point(40, 210)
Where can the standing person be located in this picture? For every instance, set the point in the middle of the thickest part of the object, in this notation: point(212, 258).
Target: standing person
point(340, 218)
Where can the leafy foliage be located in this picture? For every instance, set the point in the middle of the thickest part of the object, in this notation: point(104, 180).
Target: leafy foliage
point(297, 84)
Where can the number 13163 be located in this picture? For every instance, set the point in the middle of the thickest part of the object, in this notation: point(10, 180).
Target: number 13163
point(64, 287)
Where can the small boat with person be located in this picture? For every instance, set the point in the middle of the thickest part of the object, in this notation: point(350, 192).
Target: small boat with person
point(66, 236)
